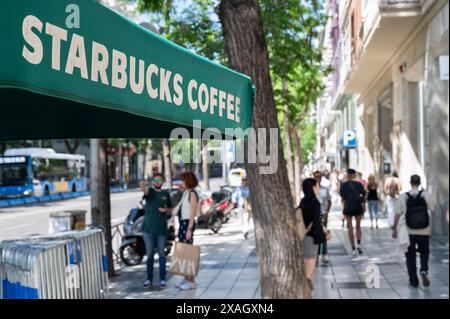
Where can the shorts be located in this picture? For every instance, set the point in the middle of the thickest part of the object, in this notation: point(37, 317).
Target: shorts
point(353, 214)
point(310, 249)
point(184, 223)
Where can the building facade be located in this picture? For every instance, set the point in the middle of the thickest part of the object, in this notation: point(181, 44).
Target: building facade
point(396, 72)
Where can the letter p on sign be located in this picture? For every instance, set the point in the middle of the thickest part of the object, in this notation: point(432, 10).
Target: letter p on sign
point(349, 139)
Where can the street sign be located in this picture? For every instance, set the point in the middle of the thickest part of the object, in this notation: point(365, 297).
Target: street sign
point(349, 139)
point(88, 81)
point(228, 151)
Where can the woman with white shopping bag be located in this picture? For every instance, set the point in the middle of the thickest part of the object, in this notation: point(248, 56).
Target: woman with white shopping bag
point(187, 211)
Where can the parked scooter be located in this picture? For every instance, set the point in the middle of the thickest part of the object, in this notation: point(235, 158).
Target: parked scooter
point(219, 212)
point(132, 249)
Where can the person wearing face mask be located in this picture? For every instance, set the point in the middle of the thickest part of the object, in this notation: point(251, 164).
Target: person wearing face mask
point(311, 210)
point(158, 206)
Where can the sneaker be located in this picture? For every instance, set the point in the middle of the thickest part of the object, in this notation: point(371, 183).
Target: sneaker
point(425, 279)
point(162, 283)
point(325, 260)
point(188, 285)
point(354, 253)
point(310, 284)
point(180, 283)
point(147, 284)
point(414, 283)
point(360, 251)
point(246, 235)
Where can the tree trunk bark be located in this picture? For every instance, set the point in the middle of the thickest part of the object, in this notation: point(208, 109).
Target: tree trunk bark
point(288, 134)
point(120, 164)
point(297, 164)
point(278, 246)
point(205, 165)
point(72, 149)
point(167, 162)
point(100, 196)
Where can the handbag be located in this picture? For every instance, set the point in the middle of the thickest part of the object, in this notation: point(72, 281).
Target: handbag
point(185, 260)
point(402, 234)
point(298, 225)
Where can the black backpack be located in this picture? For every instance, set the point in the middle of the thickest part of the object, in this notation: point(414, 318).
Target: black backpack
point(417, 212)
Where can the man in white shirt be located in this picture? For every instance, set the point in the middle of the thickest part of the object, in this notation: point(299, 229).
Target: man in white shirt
point(416, 205)
point(325, 206)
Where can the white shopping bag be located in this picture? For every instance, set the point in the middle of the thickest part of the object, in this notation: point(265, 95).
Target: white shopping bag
point(402, 234)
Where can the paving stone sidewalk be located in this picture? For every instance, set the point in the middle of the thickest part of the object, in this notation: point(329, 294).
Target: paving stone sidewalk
point(345, 277)
point(229, 268)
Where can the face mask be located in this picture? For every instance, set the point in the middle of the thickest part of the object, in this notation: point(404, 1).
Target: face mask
point(157, 183)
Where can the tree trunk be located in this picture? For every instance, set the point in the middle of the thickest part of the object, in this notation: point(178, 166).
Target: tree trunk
point(297, 164)
point(278, 246)
point(100, 196)
point(72, 149)
point(288, 134)
point(205, 165)
point(120, 164)
point(167, 162)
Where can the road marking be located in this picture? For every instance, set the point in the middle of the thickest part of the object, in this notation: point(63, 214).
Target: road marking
point(117, 220)
point(19, 226)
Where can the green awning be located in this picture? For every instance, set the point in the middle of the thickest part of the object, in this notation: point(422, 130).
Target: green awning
point(107, 78)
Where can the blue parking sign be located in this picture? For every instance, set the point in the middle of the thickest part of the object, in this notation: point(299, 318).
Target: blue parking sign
point(349, 139)
point(228, 151)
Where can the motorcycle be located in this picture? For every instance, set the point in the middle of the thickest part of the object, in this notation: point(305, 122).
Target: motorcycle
point(220, 206)
point(132, 248)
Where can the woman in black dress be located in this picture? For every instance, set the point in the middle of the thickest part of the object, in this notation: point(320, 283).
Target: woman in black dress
point(310, 207)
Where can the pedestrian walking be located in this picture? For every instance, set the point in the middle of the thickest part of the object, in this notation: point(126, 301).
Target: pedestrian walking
point(353, 199)
point(341, 177)
point(335, 185)
point(392, 189)
point(325, 206)
point(361, 179)
point(187, 211)
point(373, 200)
point(242, 195)
point(416, 206)
point(158, 206)
point(310, 207)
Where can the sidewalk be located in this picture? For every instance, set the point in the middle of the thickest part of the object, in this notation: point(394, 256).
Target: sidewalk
point(345, 277)
point(229, 269)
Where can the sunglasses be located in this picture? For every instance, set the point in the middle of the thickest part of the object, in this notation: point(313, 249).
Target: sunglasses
point(158, 180)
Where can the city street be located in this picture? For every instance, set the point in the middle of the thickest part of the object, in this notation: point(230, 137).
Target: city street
point(314, 113)
point(19, 221)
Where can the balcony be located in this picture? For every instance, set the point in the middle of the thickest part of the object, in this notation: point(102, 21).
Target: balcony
point(403, 8)
point(386, 25)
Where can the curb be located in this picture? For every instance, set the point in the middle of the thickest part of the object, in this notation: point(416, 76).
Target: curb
point(4, 203)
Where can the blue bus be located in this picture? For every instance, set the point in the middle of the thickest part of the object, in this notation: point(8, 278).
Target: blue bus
point(38, 171)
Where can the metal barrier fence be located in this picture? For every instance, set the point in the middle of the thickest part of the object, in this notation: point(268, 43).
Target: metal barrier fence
point(117, 238)
point(67, 265)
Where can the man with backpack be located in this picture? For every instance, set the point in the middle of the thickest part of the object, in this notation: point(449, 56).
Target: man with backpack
point(416, 205)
